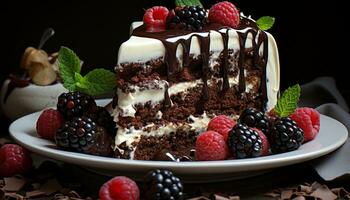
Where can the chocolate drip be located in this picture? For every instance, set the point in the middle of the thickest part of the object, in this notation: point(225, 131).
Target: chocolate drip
point(170, 58)
point(205, 44)
point(167, 100)
point(224, 68)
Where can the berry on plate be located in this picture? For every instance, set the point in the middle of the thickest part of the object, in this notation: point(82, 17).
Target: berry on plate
point(221, 124)
point(162, 184)
point(14, 159)
point(210, 145)
point(119, 188)
point(307, 119)
point(254, 119)
point(155, 18)
point(224, 13)
point(285, 135)
point(49, 121)
point(244, 142)
point(74, 104)
point(265, 142)
point(81, 134)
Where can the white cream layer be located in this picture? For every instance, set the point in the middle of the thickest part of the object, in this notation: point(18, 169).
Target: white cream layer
point(142, 49)
point(127, 101)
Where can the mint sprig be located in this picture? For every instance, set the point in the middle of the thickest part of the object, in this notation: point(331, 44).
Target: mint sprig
point(69, 64)
point(288, 102)
point(265, 23)
point(183, 3)
point(96, 82)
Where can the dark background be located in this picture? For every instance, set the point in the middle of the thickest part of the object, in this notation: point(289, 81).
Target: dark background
point(311, 36)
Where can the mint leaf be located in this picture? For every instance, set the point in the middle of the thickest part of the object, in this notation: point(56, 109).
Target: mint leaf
point(265, 23)
point(183, 3)
point(96, 82)
point(69, 64)
point(288, 101)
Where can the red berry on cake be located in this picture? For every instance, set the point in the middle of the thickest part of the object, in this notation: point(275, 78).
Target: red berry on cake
point(265, 142)
point(14, 159)
point(155, 18)
point(224, 13)
point(210, 145)
point(222, 124)
point(307, 119)
point(49, 121)
point(119, 188)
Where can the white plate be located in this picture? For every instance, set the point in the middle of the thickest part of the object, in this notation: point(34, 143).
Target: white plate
point(331, 136)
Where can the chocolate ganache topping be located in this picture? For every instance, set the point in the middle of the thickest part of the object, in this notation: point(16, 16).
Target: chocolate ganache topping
point(246, 26)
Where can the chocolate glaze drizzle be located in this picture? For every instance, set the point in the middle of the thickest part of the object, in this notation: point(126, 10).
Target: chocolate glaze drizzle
point(204, 40)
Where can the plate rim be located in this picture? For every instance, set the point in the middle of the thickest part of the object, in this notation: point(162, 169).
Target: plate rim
point(206, 167)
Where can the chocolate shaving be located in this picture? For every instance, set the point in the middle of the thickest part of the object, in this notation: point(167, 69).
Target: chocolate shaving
point(35, 193)
point(323, 192)
point(309, 191)
point(13, 184)
point(286, 194)
point(304, 188)
point(341, 192)
point(50, 187)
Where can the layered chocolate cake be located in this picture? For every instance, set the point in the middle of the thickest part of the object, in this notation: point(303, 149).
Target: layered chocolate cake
point(171, 82)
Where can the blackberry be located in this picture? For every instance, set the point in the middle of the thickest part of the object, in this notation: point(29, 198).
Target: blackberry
point(244, 142)
point(103, 118)
point(285, 135)
point(84, 136)
point(74, 104)
point(162, 185)
point(254, 118)
point(191, 18)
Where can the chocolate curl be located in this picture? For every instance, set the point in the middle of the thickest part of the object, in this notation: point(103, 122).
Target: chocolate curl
point(304, 188)
point(323, 192)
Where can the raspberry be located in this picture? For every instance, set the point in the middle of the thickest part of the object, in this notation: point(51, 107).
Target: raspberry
point(307, 119)
point(155, 18)
point(265, 142)
point(49, 121)
point(14, 159)
point(224, 13)
point(210, 145)
point(222, 125)
point(121, 188)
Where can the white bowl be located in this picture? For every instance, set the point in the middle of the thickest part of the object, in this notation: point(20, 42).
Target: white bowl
point(29, 99)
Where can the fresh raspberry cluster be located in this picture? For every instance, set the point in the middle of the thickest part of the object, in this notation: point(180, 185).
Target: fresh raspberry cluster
point(192, 18)
point(227, 138)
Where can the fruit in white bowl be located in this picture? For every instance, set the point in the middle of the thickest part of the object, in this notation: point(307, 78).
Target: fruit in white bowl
point(22, 97)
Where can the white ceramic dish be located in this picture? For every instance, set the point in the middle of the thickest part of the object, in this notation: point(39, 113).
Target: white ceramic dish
point(29, 99)
point(331, 136)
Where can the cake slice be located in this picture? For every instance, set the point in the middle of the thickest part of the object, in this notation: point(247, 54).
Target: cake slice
point(171, 83)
